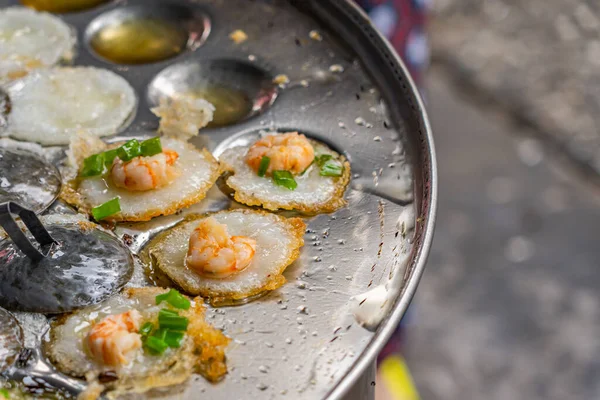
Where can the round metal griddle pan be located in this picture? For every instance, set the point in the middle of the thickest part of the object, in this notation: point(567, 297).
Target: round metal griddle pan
point(350, 90)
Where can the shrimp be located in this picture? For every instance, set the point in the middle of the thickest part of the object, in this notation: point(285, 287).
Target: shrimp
point(145, 173)
point(289, 151)
point(113, 340)
point(215, 254)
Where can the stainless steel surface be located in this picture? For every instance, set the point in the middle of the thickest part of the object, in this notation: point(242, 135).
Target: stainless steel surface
point(84, 266)
point(363, 388)
point(37, 243)
point(350, 90)
point(39, 376)
point(188, 77)
point(26, 177)
point(27, 364)
point(11, 339)
point(191, 20)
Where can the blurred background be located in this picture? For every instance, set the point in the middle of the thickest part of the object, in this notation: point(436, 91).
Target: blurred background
point(509, 306)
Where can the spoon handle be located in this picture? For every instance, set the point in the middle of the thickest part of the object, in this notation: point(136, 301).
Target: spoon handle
point(32, 368)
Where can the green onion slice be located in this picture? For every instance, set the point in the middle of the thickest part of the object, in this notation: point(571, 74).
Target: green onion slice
point(329, 166)
point(155, 345)
point(5, 393)
point(171, 321)
point(109, 157)
point(129, 150)
point(162, 297)
point(151, 147)
point(146, 328)
point(92, 166)
point(107, 209)
point(285, 179)
point(264, 165)
point(174, 339)
point(160, 333)
point(322, 159)
point(174, 298)
point(332, 168)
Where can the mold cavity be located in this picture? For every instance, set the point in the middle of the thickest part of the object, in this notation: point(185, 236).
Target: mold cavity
point(141, 35)
point(237, 90)
point(62, 6)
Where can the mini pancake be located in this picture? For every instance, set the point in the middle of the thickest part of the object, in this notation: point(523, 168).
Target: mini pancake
point(314, 194)
point(202, 350)
point(30, 40)
point(50, 106)
point(278, 242)
point(199, 171)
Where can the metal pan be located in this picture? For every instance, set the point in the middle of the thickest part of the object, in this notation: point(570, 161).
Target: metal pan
point(317, 336)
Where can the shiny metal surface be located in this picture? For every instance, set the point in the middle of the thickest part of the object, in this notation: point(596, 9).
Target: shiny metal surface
point(192, 22)
point(11, 339)
point(26, 177)
point(350, 90)
point(21, 358)
point(190, 78)
point(37, 242)
point(83, 267)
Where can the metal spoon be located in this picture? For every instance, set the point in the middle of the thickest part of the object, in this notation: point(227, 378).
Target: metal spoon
point(19, 363)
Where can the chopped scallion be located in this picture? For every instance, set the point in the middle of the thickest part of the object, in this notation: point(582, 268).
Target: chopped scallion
point(129, 150)
point(174, 322)
point(285, 179)
point(151, 147)
point(322, 159)
point(155, 345)
point(162, 297)
point(263, 166)
point(329, 166)
point(332, 168)
point(160, 333)
point(146, 328)
point(5, 393)
point(174, 339)
point(167, 311)
point(109, 157)
point(107, 209)
point(174, 298)
point(93, 165)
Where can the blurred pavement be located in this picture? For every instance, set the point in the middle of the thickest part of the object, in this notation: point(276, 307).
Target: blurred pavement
point(539, 59)
point(509, 306)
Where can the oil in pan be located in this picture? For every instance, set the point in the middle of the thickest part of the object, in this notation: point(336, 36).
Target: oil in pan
point(62, 6)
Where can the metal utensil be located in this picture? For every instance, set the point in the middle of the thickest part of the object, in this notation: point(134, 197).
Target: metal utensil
point(61, 267)
point(27, 365)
